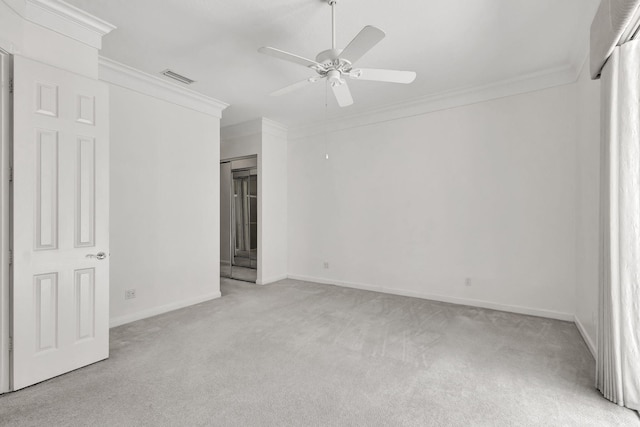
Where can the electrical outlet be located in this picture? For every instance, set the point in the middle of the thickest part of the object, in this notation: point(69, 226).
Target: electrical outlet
point(467, 281)
point(130, 294)
point(325, 265)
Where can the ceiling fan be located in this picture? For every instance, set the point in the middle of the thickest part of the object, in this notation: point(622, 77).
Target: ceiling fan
point(336, 64)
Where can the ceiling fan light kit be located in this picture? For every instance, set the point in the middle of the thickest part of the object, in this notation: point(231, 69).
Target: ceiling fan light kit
point(335, 64)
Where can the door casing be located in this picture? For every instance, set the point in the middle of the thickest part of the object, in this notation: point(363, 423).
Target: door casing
point(6, 75)
point(250, 161)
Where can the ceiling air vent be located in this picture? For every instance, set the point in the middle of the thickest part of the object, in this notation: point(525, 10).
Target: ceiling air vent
point(175, 76)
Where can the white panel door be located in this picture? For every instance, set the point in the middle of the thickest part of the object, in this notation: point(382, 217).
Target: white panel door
point(61, 222)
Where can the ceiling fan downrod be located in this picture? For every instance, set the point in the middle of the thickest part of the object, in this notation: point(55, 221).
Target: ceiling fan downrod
point(332, 3)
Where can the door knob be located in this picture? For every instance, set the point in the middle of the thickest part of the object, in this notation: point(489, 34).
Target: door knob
point(99, 255)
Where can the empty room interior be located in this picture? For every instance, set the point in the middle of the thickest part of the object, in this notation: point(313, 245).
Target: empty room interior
point(320, 213)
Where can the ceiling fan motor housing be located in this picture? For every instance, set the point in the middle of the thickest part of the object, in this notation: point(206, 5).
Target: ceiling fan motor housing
point(331, 61)
point(328, 56)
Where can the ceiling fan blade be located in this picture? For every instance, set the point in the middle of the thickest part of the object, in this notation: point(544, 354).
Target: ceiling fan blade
point(295, 86)
point(367, 38)
point(342, 93)
point(281, 54)
point(379, 75)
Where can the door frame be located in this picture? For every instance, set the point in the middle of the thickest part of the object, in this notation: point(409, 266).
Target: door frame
point(255, 157)
point(6, 117)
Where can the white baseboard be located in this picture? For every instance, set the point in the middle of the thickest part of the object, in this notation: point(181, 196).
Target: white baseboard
point(128, 318)
point(585, 336)
point(453, 300)
point(271, 279)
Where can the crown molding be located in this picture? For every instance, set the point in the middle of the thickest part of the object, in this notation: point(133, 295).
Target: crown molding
point(442, 101)
point(130, 78)
point(241, 130)
point(579, 52)
point(258, 126)
point(274, 128)
point(9, 47)
point(63, 18)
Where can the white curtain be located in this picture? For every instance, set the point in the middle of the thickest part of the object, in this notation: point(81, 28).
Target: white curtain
point(613, 25)
point(618, 361)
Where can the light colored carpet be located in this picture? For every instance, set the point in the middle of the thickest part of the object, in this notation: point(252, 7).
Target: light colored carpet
point(245, 274)
point(301, 354)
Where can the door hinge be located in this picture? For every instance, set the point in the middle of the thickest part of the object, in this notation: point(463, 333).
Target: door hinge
point(10, 343)
point(10, 173)
point(10, 256)
point(11, 85)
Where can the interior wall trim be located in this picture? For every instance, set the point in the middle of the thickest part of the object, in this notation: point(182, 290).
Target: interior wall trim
point(6, 131)
point(63, 18)
point(272, 279)
point(241, 130)
point(274, 128)
point(445, 100)
point(549, 314)
point(259, 126)
point(143, 314)
point(585, 336)
point(8, 46)
point(130, 78)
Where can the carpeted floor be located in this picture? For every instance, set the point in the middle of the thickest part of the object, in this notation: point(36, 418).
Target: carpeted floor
point(302, 354)
point(244, 273)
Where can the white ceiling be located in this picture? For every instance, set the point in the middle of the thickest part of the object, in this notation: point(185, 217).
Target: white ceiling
point(450, 44)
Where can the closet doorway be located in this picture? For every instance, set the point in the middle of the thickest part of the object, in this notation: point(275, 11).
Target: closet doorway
point(239, 219)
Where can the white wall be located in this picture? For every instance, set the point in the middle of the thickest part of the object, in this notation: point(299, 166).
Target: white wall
point(164, 205)
point(274, 203)
point(11, 28)
point(416, 205)
point(268, 141)
point(588, 213)
point(26, 38)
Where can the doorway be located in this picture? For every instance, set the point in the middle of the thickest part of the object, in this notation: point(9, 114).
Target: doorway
point(239, 219)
